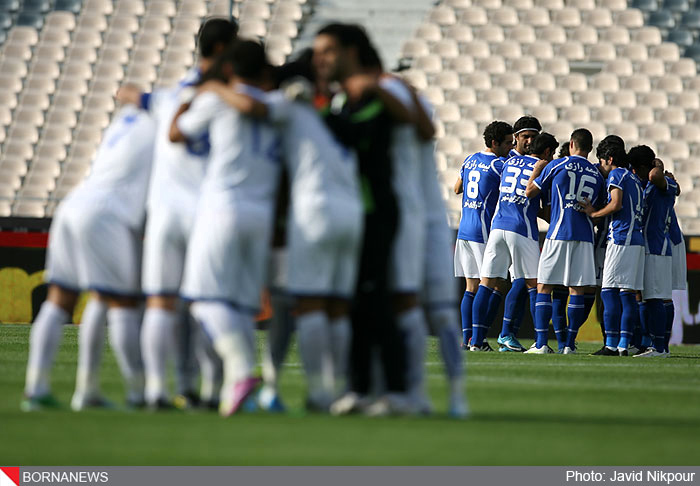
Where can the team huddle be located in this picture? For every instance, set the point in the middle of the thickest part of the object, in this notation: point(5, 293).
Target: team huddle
point(315, 180)
point(612, 227)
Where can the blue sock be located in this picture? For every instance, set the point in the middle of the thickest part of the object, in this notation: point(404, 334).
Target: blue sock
point(588, 301)
point(514, 307)
point(466, 310)
point(480, 312)
point(494, 304)
point(559, 298)
point(612, 313)
point(543, 314)
point(645, 340)
point(670, 315)
point(577, 316)
point(657, 323)
point(630, 318)
point(532, 298)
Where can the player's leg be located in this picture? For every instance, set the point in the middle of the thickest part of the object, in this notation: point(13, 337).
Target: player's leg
point(670, 316)
point(543, 314)
point(612, 315)
point(514, 307)
point(124, 322)
point(629, 320)
point(412, 323)
point(211, 369)
point(461, 265)
point(313, 336)
point(490, 262)
point(560, 297)
point(91, 342)
point(340, 327)
point(550, 273)
point(43, 344)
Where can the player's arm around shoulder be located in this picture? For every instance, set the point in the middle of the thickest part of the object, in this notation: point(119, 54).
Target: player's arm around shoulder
point(240, 101)
point(175, 134)
point(533, 189)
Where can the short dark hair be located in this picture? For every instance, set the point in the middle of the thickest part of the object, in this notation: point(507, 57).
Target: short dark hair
point(497, 131)
point(246, 57)
point(564, 150)
point(214, 32)
point(354, 35)
point(299, 67)
point(542, 142)
point(583, 139)
point(641, 157)
point(527, 122)
point(612, 146)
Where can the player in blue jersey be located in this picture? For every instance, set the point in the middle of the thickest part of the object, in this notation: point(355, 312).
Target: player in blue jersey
point(478, 183)
point(514, 239)
point(623, 273)
point(659, 197)
point(526, 128)
point(567, 255)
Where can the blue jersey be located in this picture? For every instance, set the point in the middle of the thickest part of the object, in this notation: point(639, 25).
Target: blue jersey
point(514, 153)
point(675, 232)
point(481, 175)
point(515, 212)
point(658, 206)
point(626, 224)
point(568, 181)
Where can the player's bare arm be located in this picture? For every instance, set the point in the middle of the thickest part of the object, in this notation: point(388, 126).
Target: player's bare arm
point(424, 125)
point(241, 102)
point(458, 186)
point(532, 190)
point(360, 85)
point(129, 94)
point(175, 134)
point(656, 177)
point(613, 206)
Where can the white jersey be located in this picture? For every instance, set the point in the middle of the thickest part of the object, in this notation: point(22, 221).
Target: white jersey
point(404, 152)
point(178, 169)
point(244, 159)
point(323, 174)
point(121, 169)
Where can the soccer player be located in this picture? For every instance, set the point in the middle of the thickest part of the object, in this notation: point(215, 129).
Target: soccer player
point(525, 129)
point(513, 242)
point(567, 255)
point(229, 247)
point(324, 229)
point(623, 273)
point(659, 197)
point(95, 245)
point(478, 183)
point(680, 270)
point(177, 177)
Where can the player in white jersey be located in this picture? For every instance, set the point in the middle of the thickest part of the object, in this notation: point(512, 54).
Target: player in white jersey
point(323, 229)
point(229, 247)
point(567, 255)
point(178, 173)
point(95, 245)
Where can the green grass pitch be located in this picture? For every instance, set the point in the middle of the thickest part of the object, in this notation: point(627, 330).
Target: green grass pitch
point(526, 410)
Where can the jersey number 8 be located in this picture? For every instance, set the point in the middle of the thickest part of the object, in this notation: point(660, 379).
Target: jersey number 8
point(473, 184)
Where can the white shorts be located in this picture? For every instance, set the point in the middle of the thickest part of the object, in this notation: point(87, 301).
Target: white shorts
point(325, 264)
point(506, 248)
point(406, 261)
point(568, 263)
point(228, 254)
point(468, 258)
point(90, 248)
point(439, 286)
point(680, 267)
point(168, 230)
point(599, 259)
point(658, 277)
point(624, 267)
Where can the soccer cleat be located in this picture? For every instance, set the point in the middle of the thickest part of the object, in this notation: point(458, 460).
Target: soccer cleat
point(80, 402)
point(652, 353)
point(622, 352)
point(349, 403)
point(535, 350)
point(632, 350)
point(187, 400)
point(270, 401)
point(485, 347)
point(43, 402)
point(568, 350)
point(458, 409)
point(237, 395)
point(464, 346)
point(605, 351)
point(510, 343)
point(391, 404)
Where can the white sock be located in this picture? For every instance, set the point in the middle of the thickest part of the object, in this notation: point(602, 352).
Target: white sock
point(157, 345)
point(186, 365)
point(43, 343)
point(341, 334)
point(210, 367)
point(91, 338)
point(445, 323)
point(124, 330)
point(313, 334)
point(412, 323)
point(278, 336)
point(228, 330)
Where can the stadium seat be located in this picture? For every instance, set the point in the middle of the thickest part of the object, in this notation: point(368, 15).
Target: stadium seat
point(566, 17)
point(496, 97)
point(525, 34)
point(464, 33)
point(557, 66)
point(478, 49)
point(624, 98)
point(684, 67)
point(504, 16)
point(674, 116)
point(691, 20)
point(464, 96)
point(554, 34)
point(639, 83)
point(631, 18)
point(627, 130)
point(546, 114)
point(462, 64)
point(27, 209)
point(635, 51)
point(429, 32)
point(666, 51)
point(669, 83)
point(30, 19)
point(559, 98)
point(688, 100)
point(536, 16)
point(585, 34)
point(606, 82)
point(416, 78)
point(446, 48)
point(525, 65)
point(542, 82)
point(663, 19)
point(578, 115)
point(571, 50)
point(621, 67)
point(598, 17)
point(641, 115)
point(658, 132)
point(682, 37)
point(607, 114)
point(450, 146)
point(510, 112)
point(561, 129)
point(473, 16)
point(652, 67)
point(602, 51)
point(509, 81)
point(645, 5)
point(443, 15)
point(689, 133)
point(447, 80)
point(539, 50)
point(52, 149)
point(493, 65)
point(479, 112)
point(677, 149)
point(431, 63)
